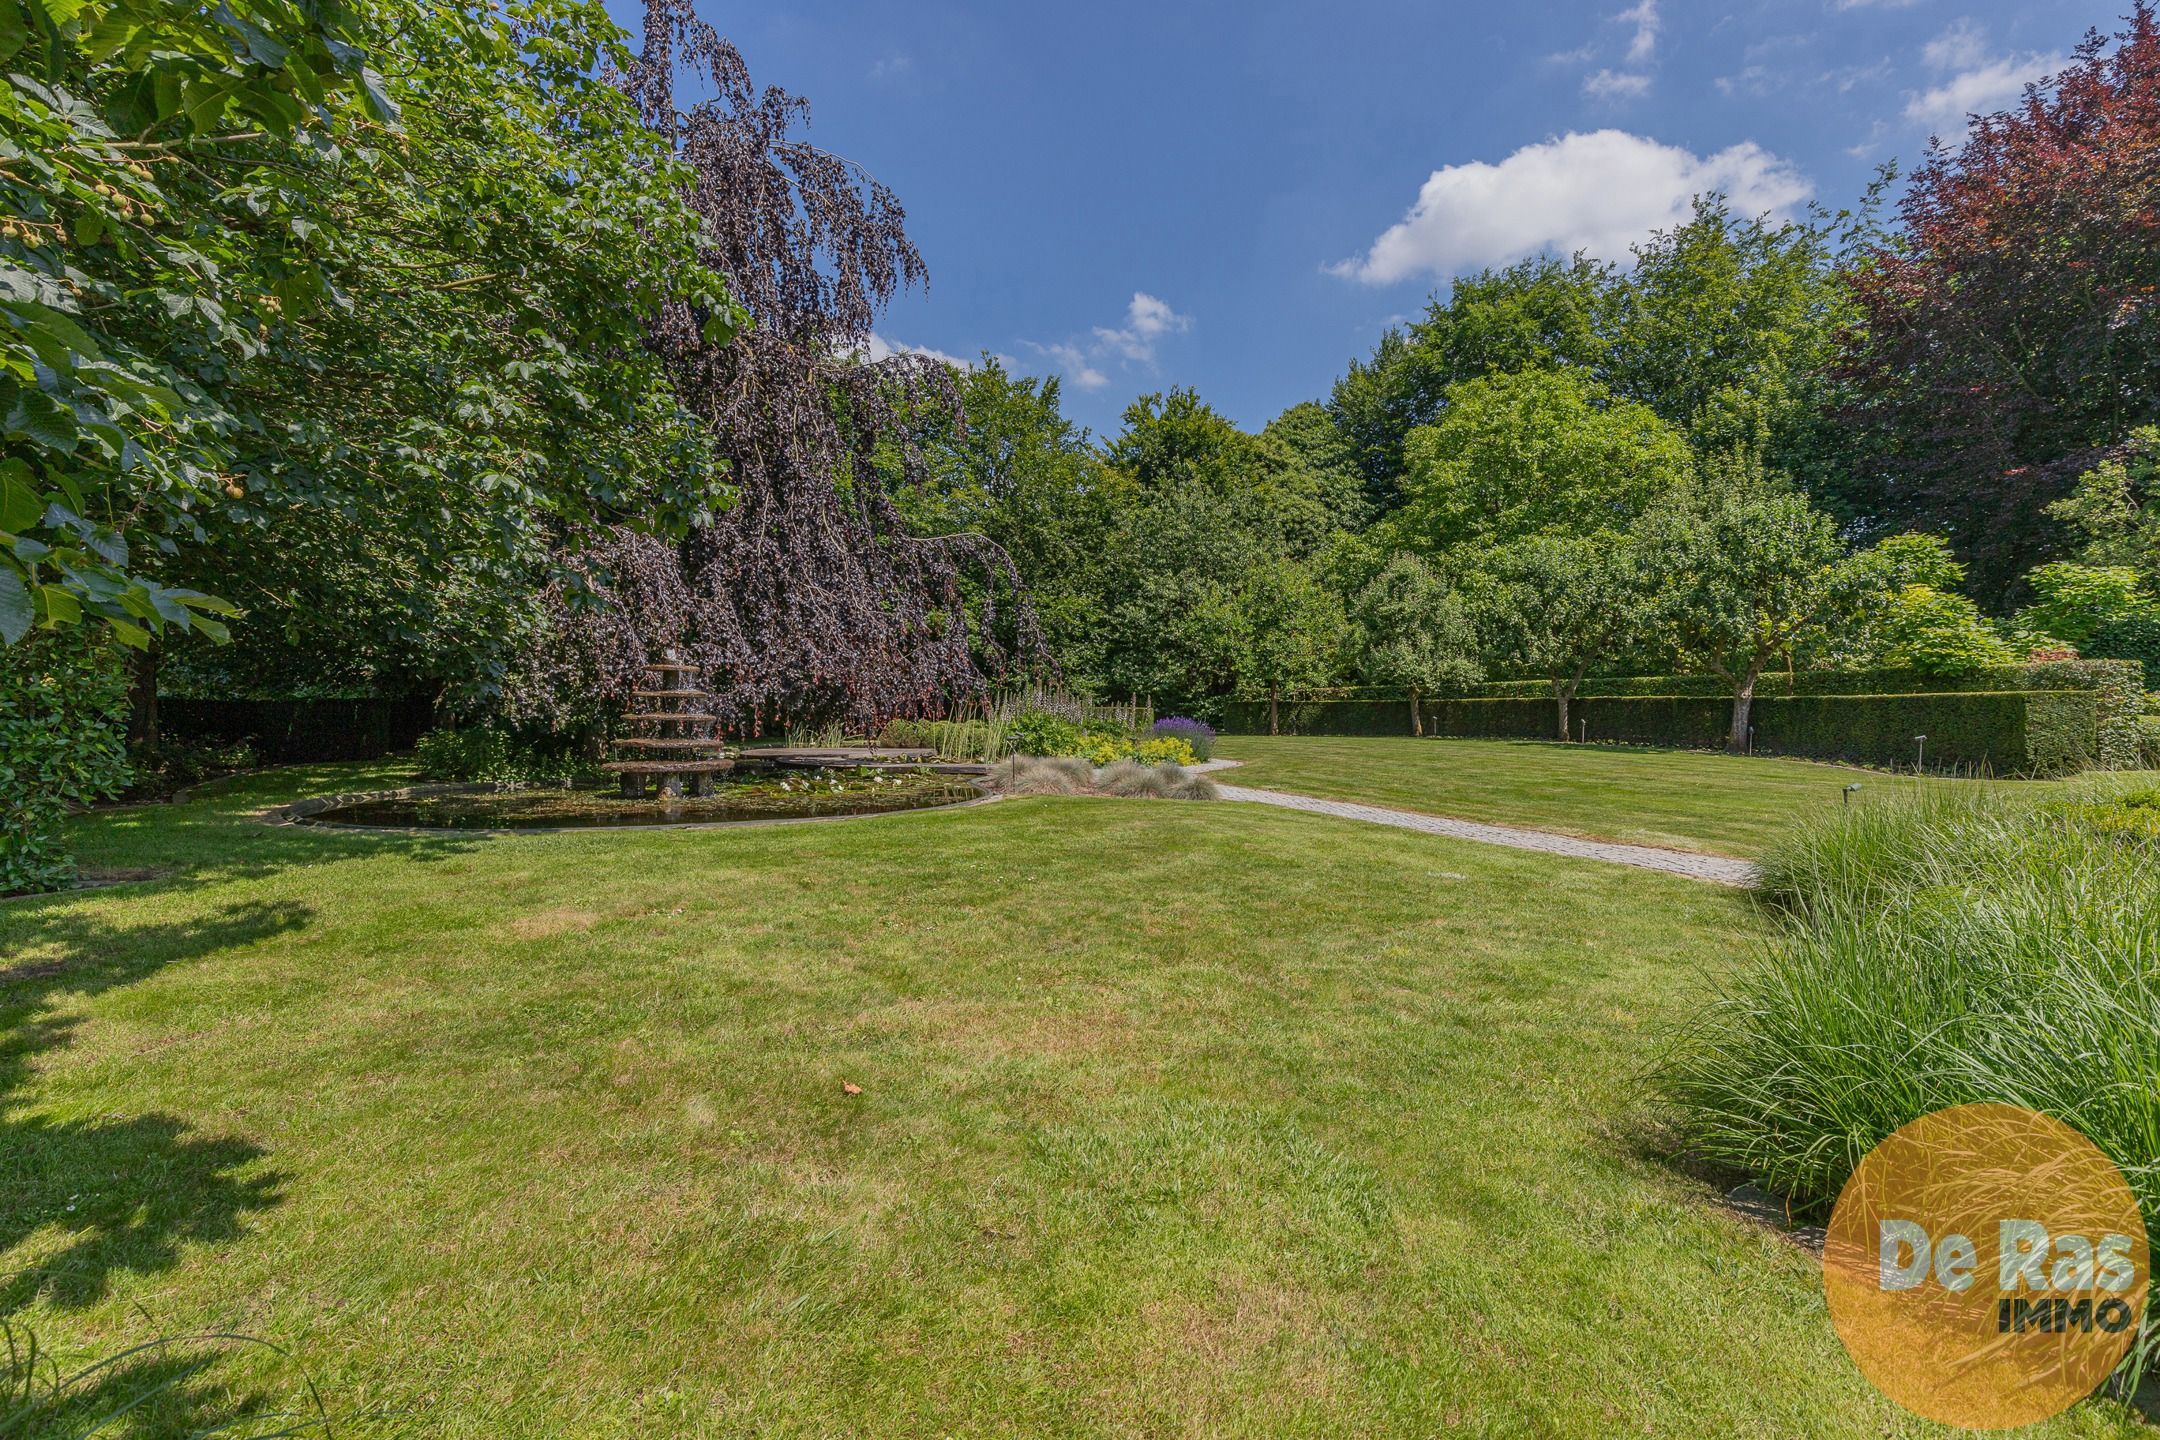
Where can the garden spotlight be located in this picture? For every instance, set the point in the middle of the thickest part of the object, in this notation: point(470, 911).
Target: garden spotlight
point(1850, 791)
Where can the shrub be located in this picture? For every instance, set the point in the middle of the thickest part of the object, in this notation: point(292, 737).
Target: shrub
point(63, 709)
point(963, 740)
point(489, 754)
point(1164, 750)
point(2135, 637)
point(1038, 732)
point(2149, 737)
point(1953, 948)
point(1195, 733)
point(172, 765)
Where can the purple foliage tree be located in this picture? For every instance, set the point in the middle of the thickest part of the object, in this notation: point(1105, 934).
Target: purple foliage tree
point(807, 598)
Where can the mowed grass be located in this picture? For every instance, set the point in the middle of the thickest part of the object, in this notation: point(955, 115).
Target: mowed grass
point(1176, 1119)
point(1679, 799)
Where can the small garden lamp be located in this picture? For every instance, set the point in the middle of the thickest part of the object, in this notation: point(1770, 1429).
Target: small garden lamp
point(1921, 763)
point(1850, 791)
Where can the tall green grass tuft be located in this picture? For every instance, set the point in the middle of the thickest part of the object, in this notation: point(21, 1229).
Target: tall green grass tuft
point(1954, 947)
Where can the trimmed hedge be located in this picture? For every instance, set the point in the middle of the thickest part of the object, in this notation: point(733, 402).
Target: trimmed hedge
point(2017, 732)
point(1319, 717)
point(63, 716)
point(299, 732)
point(2120, 685)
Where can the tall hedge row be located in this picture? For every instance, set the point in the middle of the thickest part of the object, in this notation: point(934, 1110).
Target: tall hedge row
point(2016, 732)
point(2119, 684)
point(63, 714)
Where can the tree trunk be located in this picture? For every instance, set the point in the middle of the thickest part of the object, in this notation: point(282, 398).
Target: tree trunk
point(1417, 715)
point(1274, 723)
point(1563, 697)
point(142, 698)
point(1743, 707)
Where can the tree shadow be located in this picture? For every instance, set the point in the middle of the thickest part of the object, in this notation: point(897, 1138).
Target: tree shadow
point(126, 1194)
point(217, 833)
point(160, 1390)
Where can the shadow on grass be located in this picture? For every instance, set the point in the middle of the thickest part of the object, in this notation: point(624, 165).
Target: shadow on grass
point(126, 1194)
point(215, 835)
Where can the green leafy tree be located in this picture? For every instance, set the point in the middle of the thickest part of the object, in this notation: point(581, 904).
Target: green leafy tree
point(1540, 314)
point(1744, 568)
point(2076, 602)
point(1563, 606)
point(2115, 508)
point(1292, 632)
point(1319, 470)
point(390, 324)
point(1168, 624)
point(1936, 632)
point(151, 228)
point(1022, 474)
point(1412, 630)
point(1537, 452)
point(1922, 623)
point(1727, 327)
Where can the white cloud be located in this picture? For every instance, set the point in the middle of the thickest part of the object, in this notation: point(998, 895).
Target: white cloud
point(1961, 47)
point(1147, 320)
point(881, 348)
point(1615, 85)
point(1630, 80)
point(1977, 82)
point(1644, 17)
point(1599, 192)
point(1073, 363)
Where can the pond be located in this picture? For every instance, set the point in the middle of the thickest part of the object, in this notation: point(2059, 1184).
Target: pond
point(795, 795)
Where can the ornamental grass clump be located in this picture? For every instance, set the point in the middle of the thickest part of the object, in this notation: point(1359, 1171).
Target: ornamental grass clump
point(1073, 775)
point(1946, 949)
point(1037, 775)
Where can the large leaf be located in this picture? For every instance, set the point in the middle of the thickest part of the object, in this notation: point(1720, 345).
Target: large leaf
point(376, 99)
point(37, 418)
point(17, 613)
point(59, 606)
point(19, 504)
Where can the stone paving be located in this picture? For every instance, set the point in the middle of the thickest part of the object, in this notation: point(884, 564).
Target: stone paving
point(1716, 869)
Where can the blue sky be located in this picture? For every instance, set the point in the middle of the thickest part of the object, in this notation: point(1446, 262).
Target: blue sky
point(1240, 196)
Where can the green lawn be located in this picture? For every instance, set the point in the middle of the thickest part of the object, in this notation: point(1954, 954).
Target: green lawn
point(1683, 799)
point(1176, 1119)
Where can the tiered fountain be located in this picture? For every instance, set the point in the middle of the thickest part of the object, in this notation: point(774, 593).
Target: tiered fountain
point(677, 746)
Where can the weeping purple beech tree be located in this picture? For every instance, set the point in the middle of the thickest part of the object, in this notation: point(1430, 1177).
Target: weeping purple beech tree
point(806, 599)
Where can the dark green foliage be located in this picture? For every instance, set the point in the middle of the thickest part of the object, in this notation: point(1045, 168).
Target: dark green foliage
point(162, 770)
point(2005, 733)
point(287, 732)
point(1038, 732)
point(1322, 717)
point(2134, 638)
point(2119, 685)
point(2026, 733)
point(63, 705)
point(495, 755)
